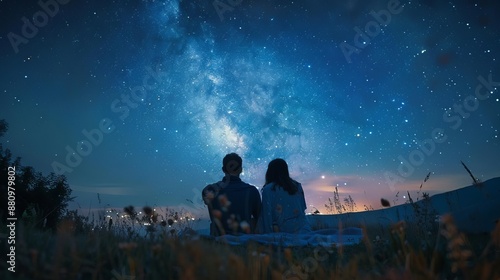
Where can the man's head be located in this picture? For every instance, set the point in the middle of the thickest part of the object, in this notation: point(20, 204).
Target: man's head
point(232, 164)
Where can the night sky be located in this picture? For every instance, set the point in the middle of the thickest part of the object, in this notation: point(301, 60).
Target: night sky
point(138, 101)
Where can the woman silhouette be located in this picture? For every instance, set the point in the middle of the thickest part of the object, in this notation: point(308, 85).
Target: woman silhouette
point(283, 202)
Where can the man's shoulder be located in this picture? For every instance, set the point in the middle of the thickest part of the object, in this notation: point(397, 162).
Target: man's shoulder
point(216, 185)
point(211, 191)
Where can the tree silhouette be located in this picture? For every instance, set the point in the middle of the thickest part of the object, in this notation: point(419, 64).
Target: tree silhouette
point(42, 198)
point(3, 127)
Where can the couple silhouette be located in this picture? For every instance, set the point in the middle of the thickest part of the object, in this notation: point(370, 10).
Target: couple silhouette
point(236, 207)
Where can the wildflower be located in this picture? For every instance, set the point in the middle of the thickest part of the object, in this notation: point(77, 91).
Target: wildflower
point(385, 202)
point(66, 227)
point(266, 260)
point(163, 223)
point(148, 210)
point(288, 254)
point(170, 222)
point(224, 203)
point(446, 219)
point(495, 235)
point(276, 228)
point(245, 226)
point(279, 208)
point(34, 256)
point(156, 248)
point(208, 196)
point(217, 214)
point(233, 223)
point(127, 245)
point(130, 210)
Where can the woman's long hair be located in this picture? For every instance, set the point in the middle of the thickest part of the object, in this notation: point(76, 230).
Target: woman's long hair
point(277, 172)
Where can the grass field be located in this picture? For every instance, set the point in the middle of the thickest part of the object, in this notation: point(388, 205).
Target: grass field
point(401, 251)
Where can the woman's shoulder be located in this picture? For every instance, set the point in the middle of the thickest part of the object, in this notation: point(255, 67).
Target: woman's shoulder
point(271, 188)
point(298, 184)
point(268, 187)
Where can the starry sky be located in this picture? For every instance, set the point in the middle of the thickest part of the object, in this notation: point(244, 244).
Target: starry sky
point(138, 101)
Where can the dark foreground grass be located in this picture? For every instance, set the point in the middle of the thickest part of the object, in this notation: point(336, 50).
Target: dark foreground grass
point(398, 252)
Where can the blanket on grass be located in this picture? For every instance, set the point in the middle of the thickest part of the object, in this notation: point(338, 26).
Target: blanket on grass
point(323, 237)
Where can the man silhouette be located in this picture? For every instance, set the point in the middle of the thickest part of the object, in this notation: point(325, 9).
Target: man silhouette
point(233, 205)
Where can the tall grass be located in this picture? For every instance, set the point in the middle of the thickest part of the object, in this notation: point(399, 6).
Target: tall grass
point(77, 251)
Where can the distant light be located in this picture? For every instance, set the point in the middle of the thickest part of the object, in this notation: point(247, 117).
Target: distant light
point(322, 176)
